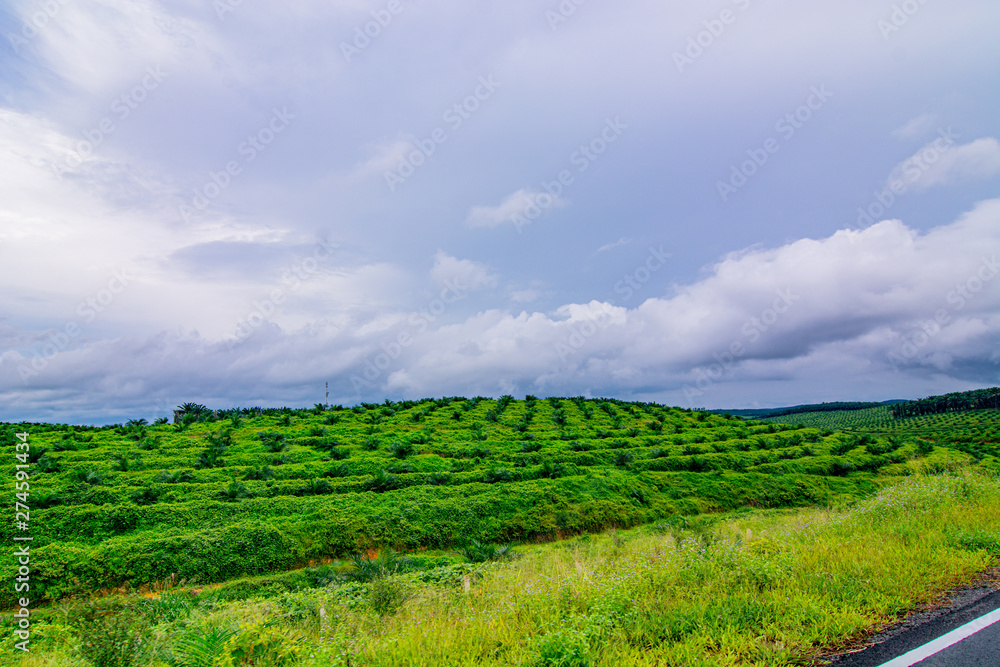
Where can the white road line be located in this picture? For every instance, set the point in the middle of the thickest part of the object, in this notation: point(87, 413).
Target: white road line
point(944, 641)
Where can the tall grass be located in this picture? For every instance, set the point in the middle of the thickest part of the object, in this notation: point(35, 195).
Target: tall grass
point(773, 587)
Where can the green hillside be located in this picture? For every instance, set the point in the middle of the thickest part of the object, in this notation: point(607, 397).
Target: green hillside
point(258, 504)
point(223, 496)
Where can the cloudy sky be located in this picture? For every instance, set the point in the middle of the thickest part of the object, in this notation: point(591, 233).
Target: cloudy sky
point(734, 203)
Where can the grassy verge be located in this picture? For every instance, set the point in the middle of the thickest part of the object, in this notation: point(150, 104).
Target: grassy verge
point(773, 587)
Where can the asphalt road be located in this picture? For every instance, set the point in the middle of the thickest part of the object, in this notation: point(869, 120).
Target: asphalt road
point(980, 649)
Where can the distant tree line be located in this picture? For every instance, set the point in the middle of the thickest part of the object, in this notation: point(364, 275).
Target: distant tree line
point(977, 399)
point(825, 407)
point(797, 409)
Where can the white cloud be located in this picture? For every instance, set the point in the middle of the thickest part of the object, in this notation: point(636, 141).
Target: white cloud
point(525, 295)
point(102, 46)
point(465, 275)
point(915, 127)
point(620, 242)
point(855, 297)
point(888, 303)
point(385, 156)
point(939, 163)
point(64, 238)
point(61, 239)
point(524, 203)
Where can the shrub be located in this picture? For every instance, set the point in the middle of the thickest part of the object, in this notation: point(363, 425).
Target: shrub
point(343, 470)
point(273, 441)
point(176, 477)
point(261, 644)
point(496, 475)
point(88, 476)
point(551, 470)
point(201, 648)
point(697, 464)
point(623, 459)
point(365, 568)
point(401, 449)
point(841, 468)
point(876, 448)
point(315, 487)
point(149, 444)
point(235, 492)
point(210, 458)
point(145, 496)
point(438, 478)
point(111, 632)
point(564, 647)
point(421, 438)
point(123, 463)
point(386, 595)
point(476, 551)
point(477, 453)
point(338, 453)
point(261, 473)
point(383, 481)
point(47, 464)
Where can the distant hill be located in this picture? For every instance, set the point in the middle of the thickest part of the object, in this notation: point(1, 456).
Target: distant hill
point(976, 399)
point(813, 407)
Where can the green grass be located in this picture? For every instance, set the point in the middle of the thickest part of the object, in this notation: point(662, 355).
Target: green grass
point(956, 426)
point(217, 531)
point(765, 587)
point(212, 501)
point(975, 432)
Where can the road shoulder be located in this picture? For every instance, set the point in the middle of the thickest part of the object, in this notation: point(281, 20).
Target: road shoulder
point(950, 610)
